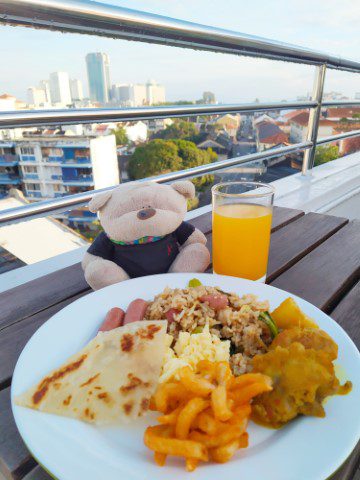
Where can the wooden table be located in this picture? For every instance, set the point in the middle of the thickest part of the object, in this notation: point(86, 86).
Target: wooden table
point(314, 256)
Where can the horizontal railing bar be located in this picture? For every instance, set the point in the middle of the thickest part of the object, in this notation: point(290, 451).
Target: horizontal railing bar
point(41, 209)
point(340, 103)
point(30, 118)
point(339, 136)
point(94, 18)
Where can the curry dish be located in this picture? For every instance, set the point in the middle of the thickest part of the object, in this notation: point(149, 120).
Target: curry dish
point(300, 364)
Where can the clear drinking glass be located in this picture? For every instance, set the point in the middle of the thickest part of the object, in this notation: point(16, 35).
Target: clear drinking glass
point(242, 215)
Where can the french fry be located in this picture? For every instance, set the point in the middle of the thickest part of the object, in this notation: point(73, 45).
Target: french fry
point(244, 395)
point(223, 373)
point(207, 369)
point(244, 411)
point(247, 379)
point(167, 392)
point(173, 446)
point(219, 403)
point(225, 452)
point(170, 418)
point(244, 440)
point(187, 415)
point(160, 459)
point(191, 464)
point(229, 434)
point(207, 423)
point(194, 383)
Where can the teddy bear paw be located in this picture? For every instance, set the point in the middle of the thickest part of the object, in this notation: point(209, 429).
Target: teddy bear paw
point(102, 273)
point(192, 258)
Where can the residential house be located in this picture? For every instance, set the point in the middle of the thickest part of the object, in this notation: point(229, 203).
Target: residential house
point(268, 135)
point(299, 127)
point(230, 123)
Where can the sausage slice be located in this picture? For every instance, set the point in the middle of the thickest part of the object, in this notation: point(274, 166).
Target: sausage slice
point(135, 311)
point(114, 318)
point(217, 302)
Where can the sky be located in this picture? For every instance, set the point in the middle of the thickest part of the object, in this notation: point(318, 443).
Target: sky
point(29, 55)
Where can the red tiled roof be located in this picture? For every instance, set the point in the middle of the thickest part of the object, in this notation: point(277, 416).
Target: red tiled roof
point(340, 128)
point(275, 139)
point(293, 114)
point(268, 132)
point(302, 119)
point(342, 112)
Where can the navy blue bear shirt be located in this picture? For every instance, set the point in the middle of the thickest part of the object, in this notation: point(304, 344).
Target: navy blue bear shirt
point(143, 259)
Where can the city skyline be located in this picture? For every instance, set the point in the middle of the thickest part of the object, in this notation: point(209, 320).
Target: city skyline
point(185, 73)
point(60, 90)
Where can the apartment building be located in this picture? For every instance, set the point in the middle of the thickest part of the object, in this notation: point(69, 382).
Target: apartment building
point(46, 167)
point(9, 168)
point(137, 95)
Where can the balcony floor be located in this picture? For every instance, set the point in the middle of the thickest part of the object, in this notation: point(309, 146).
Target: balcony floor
point(349, 208)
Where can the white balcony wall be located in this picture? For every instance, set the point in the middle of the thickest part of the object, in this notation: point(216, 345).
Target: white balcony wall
point(104, 160)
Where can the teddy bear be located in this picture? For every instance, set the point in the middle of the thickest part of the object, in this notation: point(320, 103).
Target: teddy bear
point(144, 234)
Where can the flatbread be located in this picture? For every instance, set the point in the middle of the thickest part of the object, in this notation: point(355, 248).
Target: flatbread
point(111, 380)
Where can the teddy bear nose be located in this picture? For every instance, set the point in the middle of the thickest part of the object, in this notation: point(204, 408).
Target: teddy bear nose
point(146, 213)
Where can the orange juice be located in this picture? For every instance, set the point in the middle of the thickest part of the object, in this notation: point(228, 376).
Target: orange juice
point(241, 239)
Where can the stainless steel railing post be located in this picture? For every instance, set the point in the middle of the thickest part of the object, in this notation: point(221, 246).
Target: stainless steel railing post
point(314, 118)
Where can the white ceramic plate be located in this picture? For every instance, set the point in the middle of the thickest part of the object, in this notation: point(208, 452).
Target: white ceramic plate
point(306, 449)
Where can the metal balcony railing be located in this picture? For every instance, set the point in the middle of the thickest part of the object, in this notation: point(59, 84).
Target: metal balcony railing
point(93, 18)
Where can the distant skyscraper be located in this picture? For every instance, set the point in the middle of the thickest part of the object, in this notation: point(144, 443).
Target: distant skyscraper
point(209, 98)
point(44, 85)
point(60, 88)
point(357, 95)
point(76, 89)
point(36, 96)
point(155, 93)
point(98, 76)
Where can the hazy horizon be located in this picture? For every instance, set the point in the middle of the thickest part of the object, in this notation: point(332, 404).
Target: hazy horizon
point(328, 25)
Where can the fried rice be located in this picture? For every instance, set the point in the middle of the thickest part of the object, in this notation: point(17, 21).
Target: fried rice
point(238, 322)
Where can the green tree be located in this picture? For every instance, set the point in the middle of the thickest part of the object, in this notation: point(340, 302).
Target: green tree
point(192, 156)
point(178, 129)
point(153, 158)
point(160, 156)
point(120, 135)
point(356, 115)
point(325, 154)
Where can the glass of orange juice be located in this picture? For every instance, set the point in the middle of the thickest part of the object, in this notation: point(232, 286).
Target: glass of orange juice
point(242, 215)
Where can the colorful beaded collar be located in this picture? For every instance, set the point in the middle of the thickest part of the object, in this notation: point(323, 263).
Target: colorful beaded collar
point(139, 241)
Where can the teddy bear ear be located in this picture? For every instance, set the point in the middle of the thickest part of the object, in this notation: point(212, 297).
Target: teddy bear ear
point(99, 201)
point(185, 188)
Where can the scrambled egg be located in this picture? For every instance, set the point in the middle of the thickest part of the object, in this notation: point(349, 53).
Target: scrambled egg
point(190, 349)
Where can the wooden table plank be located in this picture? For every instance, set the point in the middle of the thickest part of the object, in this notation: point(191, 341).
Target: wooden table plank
point(325, 274)
point(347, 314)
point(290, 244)
point(14, 338)
point(283, 216)
point(203, 222)
point(25, 300)
point(38, 473)
point(15, 460)
point(349, 469)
